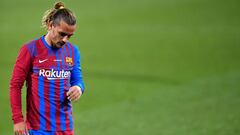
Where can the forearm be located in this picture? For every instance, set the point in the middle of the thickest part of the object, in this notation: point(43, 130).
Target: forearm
point(19, 74)
point(76, 74)
point(16, 83)
point(16, 105)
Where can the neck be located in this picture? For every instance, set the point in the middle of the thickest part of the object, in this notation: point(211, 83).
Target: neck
point(47, 39)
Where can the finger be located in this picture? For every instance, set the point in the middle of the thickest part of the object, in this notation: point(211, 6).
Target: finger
point(74, 95)
point(70, 91)
point(17, 132)
point(73, 89)
point(26, 131)
point(78, 95)
point(71, 94)
point(22, 132)
point(76, 99)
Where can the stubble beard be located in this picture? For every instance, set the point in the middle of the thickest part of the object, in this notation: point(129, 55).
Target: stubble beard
point(58, 45)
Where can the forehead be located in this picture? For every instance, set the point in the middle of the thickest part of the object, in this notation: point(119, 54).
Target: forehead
point(64, 27)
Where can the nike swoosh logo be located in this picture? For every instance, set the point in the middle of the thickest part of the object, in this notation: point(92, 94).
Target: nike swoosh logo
point(41, 61)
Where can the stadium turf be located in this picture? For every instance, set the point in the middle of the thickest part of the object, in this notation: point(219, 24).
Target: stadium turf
point(151, 67)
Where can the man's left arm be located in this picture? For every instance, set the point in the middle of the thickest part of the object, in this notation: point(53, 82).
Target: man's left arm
point(77, 84)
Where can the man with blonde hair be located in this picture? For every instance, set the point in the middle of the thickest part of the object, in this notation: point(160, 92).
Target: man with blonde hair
point(50, 65)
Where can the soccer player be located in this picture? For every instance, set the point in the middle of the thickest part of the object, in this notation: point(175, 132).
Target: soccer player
point(50, 65)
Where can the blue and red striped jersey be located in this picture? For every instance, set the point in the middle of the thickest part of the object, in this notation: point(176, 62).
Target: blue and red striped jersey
point(49, 73)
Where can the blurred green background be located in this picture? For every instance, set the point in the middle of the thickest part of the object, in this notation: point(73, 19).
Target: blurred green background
point(151, 67)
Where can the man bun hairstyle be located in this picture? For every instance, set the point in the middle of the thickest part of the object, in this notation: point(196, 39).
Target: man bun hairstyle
point(56, 14)
point(58, 5)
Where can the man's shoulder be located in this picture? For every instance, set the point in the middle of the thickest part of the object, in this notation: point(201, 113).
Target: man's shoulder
point(73, 46)
point(31, 46)
point(31, 42)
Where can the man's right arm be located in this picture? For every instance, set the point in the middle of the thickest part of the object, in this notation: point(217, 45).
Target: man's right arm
point(19, 74)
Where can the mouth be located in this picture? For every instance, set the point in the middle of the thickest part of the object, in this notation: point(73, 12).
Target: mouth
point(61, 43)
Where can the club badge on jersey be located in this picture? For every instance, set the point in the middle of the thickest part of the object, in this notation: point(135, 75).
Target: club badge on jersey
point(69, 61)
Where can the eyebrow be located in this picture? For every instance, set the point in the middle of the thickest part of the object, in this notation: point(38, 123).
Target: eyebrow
point(65, 34)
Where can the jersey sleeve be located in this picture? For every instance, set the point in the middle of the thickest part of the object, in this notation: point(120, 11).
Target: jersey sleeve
point(19, 74)
point(76, 73)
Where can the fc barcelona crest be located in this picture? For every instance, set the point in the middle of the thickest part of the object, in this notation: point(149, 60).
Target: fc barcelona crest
point(69, 61)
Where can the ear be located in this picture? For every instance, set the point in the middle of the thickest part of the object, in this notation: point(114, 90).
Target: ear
point(50, 25)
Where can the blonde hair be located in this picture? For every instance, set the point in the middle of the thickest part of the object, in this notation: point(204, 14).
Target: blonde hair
point(56, 14)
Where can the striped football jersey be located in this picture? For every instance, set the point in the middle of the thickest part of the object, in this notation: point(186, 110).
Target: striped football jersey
point(49, 73)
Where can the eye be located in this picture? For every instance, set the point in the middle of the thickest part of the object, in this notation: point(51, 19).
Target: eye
point(62, 34)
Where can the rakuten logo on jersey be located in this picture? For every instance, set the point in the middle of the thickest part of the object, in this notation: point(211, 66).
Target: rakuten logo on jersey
point(54, 74)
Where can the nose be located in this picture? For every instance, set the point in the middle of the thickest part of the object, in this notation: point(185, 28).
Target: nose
point(65, 39)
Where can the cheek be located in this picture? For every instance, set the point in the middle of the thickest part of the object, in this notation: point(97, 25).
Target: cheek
point(54, 35)
point(55, 38)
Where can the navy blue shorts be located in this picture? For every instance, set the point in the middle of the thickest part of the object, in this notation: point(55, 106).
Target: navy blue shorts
point(40, 132)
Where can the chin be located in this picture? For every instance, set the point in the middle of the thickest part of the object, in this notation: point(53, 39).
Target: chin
point(58, 46)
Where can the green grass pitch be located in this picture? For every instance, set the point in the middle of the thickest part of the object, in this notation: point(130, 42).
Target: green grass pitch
point(151, 67)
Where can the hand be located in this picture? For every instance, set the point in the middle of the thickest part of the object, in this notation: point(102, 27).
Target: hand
point(74, 93)
point(20, 129)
